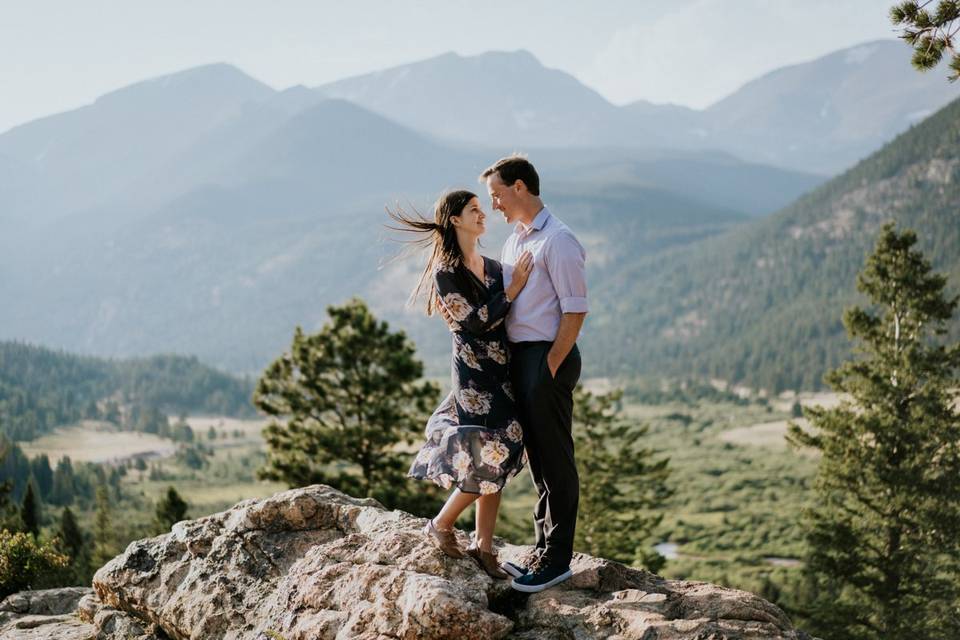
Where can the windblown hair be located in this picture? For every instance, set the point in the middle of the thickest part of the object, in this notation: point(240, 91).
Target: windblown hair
point(439, 236)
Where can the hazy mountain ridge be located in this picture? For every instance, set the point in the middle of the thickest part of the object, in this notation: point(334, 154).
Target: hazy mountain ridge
point(764, 304)
point(230, 289)
point(90, 154)
point(492, 99)
point(838, 108)
point(820, 116)
point(274, 209)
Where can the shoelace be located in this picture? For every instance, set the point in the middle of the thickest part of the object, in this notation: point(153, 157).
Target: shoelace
point(535, 564)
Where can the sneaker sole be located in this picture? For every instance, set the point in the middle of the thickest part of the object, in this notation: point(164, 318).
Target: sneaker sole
point(534, 588)
point(512, 570)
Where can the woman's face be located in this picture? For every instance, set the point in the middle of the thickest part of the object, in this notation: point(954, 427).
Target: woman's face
point(472, 220)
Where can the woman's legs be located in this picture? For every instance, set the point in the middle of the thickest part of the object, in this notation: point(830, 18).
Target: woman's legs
point(452, 508)
point(487, 508)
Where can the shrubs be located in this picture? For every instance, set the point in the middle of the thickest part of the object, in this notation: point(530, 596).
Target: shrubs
point(25, 563)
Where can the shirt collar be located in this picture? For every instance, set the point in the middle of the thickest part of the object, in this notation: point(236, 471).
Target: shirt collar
point(538, 223)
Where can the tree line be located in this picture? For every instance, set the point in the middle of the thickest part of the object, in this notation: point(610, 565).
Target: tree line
point(41, 389)
point(68, 555)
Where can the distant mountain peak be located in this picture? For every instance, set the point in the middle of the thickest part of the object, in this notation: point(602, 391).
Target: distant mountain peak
point(216, 70)
point(517, 56)
point(296, 90)
point(861, 53)
point(208, 77)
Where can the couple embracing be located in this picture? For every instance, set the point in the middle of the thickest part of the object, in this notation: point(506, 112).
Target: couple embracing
point(514, 367)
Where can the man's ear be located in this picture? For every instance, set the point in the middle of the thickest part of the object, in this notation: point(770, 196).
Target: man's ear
point(519, 185)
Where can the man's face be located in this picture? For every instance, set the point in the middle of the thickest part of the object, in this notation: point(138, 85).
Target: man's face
point(503, 198)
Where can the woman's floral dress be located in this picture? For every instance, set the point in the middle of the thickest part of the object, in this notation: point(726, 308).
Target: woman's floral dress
point(474, 441)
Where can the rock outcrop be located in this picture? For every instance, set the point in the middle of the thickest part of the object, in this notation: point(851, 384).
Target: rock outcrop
point(69, 613)
point(314, 563)
point(48, 613)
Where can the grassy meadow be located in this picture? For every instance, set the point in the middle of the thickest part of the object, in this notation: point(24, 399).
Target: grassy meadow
point(97, 441)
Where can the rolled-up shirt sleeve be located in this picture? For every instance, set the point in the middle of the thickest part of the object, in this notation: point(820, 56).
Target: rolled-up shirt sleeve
point(565, 260)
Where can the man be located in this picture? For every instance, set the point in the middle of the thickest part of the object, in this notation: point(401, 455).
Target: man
point(542, 327)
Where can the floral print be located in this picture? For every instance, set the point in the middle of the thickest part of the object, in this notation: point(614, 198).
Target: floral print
point(494, 453)
point(461, 464)
point(514, 431)
point(457, 305)
point(474, 401)
point(473, 439)
point(465, 353)
point(488, 487)
point(424, 456)
point(496, 352)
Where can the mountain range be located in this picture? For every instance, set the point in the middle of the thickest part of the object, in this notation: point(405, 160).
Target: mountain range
point(206, 213)
point(819, 116)
point(763, 302)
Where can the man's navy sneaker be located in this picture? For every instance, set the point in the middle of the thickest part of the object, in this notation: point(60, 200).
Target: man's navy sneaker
point(515, 569)
point(544, 577)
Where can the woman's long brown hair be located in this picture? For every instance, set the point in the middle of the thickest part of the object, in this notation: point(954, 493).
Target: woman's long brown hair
point(440, 236)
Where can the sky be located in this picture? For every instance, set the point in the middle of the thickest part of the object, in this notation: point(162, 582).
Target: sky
point(56, 56)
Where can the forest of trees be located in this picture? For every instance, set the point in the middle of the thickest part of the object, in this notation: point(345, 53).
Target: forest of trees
point(41, 389)
point(37, 553)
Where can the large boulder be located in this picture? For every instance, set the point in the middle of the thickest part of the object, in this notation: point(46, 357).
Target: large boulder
point(314, 563)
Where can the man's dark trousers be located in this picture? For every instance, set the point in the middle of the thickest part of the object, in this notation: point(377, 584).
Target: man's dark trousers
point(545, 405)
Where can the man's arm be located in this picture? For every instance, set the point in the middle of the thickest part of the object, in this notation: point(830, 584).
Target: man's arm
point(570, 324)
point(565, 262)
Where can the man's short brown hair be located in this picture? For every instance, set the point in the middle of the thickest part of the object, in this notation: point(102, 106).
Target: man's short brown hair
point(512, 168)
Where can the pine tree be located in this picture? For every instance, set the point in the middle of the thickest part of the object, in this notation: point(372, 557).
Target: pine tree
point(884, 530)
point(930, 33)
point(30, 510)
point(9, 513)
point(64, 487)
point(349, 393)
point(171, 509)
point(73, 543)
point(622, 486)
point(43, 474)
point(69, 533)
point(103, 538)
point(115, 480)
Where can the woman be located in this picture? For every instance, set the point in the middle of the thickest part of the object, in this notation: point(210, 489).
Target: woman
point(474, 441)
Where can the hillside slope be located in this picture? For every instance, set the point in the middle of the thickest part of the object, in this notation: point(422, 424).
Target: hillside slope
point(763, 304)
